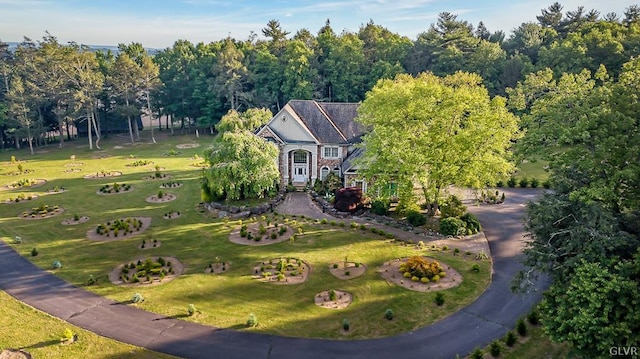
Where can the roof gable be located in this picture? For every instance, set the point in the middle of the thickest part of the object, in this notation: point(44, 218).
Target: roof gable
point(289, 127)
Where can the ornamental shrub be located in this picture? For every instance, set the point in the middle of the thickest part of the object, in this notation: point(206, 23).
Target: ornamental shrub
point(471, 222)
point(34, 252)
point(535, 182)
point(524, 182)
point(475, 268)
point(345, 324)
point(415, 218)
point(521, 327)
point(452, 207)
point(439, 299)
point(252, 321)
point(388, 314)
point(477, 354)
point(510, 339)
point(420, 267)
point(512, 182)
point(380, 206)
point(533, 317)
point(56, 265)
point(495, 349)
point(452, 226)
point(137, 298)
point(332, 295)
point(348, 199)
point(191, 309)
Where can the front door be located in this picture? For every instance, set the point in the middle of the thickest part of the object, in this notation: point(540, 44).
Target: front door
point(300, 166)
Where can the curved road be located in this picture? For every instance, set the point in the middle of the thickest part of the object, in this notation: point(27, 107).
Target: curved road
point(486, 319)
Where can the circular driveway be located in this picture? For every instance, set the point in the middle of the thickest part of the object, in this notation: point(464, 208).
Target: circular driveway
point(488, 318)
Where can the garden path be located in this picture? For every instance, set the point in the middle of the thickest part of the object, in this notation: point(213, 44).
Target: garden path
point(486, 319)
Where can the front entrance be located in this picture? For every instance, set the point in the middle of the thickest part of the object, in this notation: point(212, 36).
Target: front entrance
point(300, 166)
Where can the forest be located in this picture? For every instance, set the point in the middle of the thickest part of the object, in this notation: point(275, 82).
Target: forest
point(47, 86)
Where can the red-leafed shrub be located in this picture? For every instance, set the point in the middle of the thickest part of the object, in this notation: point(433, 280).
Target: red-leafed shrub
point(348, 199)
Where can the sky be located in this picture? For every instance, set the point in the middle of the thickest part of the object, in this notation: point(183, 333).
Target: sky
point(159, 23)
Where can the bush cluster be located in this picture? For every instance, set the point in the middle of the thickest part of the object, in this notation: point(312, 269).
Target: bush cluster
point(420, 267)
point(466, 224)
point(380, 206)
point(452, 207)
point(415, 218)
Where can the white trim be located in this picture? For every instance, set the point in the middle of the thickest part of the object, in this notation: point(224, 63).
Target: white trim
point(338, 152)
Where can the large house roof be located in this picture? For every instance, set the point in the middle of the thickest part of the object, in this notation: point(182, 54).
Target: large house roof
point(329, 122)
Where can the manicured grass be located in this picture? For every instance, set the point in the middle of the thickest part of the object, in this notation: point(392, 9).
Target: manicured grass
point(224, 300)
point(533, 169)
point(39, 334)
point(537, 345)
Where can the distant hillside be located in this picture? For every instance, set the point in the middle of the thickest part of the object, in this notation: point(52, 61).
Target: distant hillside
point(114, 49)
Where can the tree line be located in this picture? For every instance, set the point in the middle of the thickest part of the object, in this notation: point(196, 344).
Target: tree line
point(45, 85)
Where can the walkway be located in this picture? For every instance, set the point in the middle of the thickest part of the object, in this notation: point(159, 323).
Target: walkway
point(488, 318)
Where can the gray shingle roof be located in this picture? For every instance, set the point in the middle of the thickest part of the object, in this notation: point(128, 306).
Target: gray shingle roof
point(329, 122)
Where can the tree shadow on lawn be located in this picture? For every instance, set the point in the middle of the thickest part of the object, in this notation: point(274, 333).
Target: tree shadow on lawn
point(175, 316)
point(42, 344)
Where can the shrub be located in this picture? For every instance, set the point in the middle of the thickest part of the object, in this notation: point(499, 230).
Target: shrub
point(495, 348)
point(92, 280)
point(137, 298)
point(424, 280)
point(34, 252)
point(533, 317)
point(407, 274)
point(420, 267)
point(332, 295)
point(345, 324)
point(510, 339)
point(546, 184)
point(475, 268)
point(456, 251)
point(252, 321)
point(388, 314)
point(500, 184)
point(477, 354)
point(67, 335)
point(415, 218)
point(191, 309)
point(274, 235)
point(471, 222)
point(524, 182)
point(436, 278)
point(452, 226)
point(535, 182)
point(439, 299)
point(76, 217)
point(348, 199)
point(335, 265)
point(347, 273)
point(512, 182)
point(56, 265)
point(380, 206)
point(415, 279)
point(452, 207)
point(521, 327)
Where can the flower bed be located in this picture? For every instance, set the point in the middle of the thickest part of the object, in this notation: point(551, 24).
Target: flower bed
point(42, 211)
point(282, 271)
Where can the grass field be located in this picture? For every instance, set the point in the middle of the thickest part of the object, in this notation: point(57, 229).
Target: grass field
point(222, 300)
point(39, 334)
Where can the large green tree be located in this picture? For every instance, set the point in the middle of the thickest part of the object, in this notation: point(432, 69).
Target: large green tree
point(585, 234)
point(433, 132)
point(242, 165)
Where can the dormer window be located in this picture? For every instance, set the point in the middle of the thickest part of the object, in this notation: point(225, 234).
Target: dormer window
point(284, 118)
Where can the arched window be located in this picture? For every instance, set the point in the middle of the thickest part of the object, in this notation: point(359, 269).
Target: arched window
point(336, 170)
point(324, 172)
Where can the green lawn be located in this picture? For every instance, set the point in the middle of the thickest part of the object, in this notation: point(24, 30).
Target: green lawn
point(39, 334)
point(222, 300)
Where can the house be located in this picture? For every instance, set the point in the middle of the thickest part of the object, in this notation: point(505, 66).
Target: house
point(316, 138)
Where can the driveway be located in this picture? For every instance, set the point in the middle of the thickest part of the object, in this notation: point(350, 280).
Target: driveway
point(486, 319)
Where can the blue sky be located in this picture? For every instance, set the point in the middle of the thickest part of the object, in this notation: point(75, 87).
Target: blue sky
point(159, 23)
